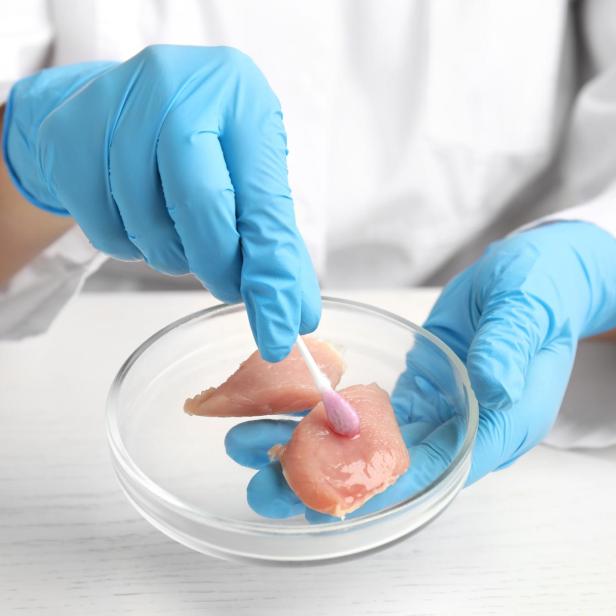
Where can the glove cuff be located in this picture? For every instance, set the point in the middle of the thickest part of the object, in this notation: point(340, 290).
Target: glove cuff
point(31, 100)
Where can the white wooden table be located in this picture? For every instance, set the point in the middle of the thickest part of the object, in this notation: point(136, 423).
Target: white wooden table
point(539, 538)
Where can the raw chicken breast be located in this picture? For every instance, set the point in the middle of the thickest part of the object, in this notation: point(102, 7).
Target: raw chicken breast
point(334, 474)
point(261, 388)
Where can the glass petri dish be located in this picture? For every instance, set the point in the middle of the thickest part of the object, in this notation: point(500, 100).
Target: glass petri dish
point(174, 469)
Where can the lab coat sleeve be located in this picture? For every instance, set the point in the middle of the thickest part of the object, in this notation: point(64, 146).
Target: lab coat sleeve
point(589, 163)
point(589, 180)
point(33, 297)
point(600, 211)
point(26, 38)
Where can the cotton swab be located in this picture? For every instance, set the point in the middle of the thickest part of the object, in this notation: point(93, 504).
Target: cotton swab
point(341, 416)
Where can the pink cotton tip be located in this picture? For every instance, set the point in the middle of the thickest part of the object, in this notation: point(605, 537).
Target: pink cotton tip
point(341, 416)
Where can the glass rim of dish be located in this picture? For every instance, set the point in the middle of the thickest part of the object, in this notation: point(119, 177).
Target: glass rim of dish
point(270, 527)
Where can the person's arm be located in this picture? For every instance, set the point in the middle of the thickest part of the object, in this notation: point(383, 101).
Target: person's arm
point(590, 157)
point(25, 230)
point(176, 157)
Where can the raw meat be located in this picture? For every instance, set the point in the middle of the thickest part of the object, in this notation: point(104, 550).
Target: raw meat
point(262, 388)
point(334, 474)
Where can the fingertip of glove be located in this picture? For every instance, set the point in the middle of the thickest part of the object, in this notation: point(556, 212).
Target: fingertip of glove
point(230, 296)
point(248, 443)
point(275, 325)
point(228, 293)
point(311, 316)
point(311, 303)
point(240, 450)
point(311, 307)
point(274, 338)
point(274, 354)
point(269, 495)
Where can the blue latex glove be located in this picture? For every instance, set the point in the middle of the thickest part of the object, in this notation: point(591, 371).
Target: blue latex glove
point(514, 318)
point(177, 157)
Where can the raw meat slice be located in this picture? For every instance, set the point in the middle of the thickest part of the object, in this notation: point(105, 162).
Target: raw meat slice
point(261, 388)
point(334, 474)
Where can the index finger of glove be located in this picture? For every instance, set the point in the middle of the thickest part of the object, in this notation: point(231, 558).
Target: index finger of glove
point(249, 442)
point(274, 269)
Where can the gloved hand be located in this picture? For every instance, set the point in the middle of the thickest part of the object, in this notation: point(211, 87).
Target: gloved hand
point(514, 318)
point(177, 157)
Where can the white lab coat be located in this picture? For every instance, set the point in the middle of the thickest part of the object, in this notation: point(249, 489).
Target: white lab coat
point(417, 129)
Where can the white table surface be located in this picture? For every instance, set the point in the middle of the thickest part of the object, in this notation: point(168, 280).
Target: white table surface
point(539, 538)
